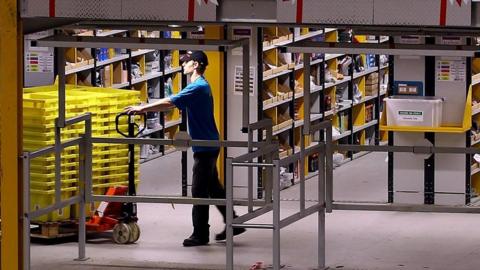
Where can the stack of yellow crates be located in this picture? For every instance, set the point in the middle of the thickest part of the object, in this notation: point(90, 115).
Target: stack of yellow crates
point(110, 161)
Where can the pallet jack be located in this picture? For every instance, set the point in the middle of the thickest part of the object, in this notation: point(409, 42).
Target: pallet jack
point(121, 217)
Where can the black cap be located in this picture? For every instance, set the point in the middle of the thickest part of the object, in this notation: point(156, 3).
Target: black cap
point(197, 56)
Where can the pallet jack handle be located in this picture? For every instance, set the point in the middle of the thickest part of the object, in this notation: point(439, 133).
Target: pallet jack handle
point(132, 126)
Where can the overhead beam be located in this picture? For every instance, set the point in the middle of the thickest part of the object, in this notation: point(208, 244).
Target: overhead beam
point(62, 41)
point(305, 46)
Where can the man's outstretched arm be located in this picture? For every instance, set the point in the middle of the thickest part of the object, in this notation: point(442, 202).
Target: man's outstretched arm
point(161, 105)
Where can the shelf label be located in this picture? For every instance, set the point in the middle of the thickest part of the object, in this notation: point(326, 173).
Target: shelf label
point(410, 116)
point(238, 81)
point(39, 62)
point(451, 70)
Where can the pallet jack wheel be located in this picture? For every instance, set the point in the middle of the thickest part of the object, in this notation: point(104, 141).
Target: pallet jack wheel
point(121, 233)
point(134, 232)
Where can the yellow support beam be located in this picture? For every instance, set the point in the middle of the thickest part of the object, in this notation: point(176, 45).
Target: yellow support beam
point(11, 51)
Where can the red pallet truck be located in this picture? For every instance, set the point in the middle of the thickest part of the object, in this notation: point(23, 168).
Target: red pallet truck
point(120, 217)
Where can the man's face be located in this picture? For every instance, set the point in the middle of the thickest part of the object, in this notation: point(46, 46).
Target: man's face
point(189, 66)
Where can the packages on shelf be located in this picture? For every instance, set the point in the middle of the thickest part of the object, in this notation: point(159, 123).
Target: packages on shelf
point(414, 111)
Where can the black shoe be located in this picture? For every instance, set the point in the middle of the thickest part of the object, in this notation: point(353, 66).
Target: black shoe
point(193, 241)
point(223, 235)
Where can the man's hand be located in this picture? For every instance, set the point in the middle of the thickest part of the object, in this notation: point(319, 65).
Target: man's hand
point(134, 109)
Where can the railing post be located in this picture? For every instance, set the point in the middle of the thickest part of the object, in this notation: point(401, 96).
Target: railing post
point(26, 211)
point(229, 206)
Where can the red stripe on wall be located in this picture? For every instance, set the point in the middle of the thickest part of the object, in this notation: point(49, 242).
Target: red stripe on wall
point(191, 10)
point(299, 11)
point(443, 13)
point(51, 8)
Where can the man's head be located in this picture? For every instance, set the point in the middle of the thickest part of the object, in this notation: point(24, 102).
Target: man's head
point(194, 61)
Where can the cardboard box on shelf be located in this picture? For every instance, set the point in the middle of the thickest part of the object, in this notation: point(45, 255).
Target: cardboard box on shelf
point(371, 90)
point(107, 78)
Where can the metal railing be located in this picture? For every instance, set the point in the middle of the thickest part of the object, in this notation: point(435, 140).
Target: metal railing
point(323, 149)
point(266, 150)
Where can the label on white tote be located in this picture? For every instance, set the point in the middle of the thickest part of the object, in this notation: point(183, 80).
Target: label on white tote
point(412, 116)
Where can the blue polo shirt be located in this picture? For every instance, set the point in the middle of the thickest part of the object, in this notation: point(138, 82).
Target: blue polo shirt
point(196, 99)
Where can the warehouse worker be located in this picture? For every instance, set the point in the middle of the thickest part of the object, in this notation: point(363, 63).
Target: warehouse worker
point(196, 99)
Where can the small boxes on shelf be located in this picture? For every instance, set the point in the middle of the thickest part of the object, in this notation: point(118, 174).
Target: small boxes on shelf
point(369, 112)
point(371, 84)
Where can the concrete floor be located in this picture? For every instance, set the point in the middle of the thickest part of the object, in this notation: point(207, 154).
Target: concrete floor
point(355, 239)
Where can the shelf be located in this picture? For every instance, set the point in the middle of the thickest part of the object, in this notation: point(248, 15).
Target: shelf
point(475, 171)
point(382, 143)
point(309, 35)
point(475, 110)
point(382, 39)
point(328, 30)
point(330, 56)
point(343, 135)
point(317, 88)
point(269, 77)
point(365, 72)
point(345, 79)
point(313, 117)
point(364, 126)
point(78, 69)
point(275, 104)
point(110, 33)
point(312, 144)
point(172, 70)
point(281, 43)
point(120, 85)
point(364, 99)
point(112, 60)
point(148, 76)
point(318, 61)
point(474, 200)
point(384, 66)
point(288, 127)
point(476, 79)
point(312, 63)
point(474, 142)
point(141, 52)
point(345, 105)
point(328, 113)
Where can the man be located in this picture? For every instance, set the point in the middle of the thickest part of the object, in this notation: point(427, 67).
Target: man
point(196, 99)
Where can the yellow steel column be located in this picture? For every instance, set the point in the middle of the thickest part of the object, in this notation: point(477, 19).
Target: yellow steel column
point(214, 75)
point(11, 72)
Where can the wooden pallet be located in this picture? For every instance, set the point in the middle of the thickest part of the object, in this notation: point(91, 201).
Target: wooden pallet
point(54, 229)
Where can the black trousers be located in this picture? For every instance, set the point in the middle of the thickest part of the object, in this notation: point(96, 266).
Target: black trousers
point(205, 185)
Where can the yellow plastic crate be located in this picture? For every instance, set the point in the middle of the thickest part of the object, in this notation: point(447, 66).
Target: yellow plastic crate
point(43, 198)
point(46, 186)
